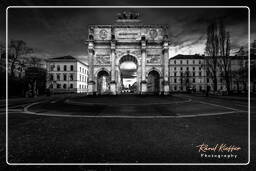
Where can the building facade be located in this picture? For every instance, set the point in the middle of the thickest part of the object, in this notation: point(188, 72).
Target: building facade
point(189, 73)
point(128, 40)
point(67, 75)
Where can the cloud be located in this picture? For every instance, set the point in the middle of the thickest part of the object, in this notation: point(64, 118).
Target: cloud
point(63, 31)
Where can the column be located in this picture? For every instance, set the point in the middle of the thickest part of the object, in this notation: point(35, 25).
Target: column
point(113, 71)
point(165, 65)
point(91, 83)
point(143, 66)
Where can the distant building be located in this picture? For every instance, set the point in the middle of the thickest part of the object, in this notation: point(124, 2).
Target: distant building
point(188, 72)
point(67, 75)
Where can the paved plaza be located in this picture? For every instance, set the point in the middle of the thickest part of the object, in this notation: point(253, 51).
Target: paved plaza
point(124, 129)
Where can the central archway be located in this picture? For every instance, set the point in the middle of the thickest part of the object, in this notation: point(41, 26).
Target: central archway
point(128, 66)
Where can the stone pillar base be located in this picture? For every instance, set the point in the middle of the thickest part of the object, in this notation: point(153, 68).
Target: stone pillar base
point(91, 85)
point(143, 87)
point(113, 88)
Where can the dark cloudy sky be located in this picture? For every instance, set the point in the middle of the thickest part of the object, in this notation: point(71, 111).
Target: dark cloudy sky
point(61, 31)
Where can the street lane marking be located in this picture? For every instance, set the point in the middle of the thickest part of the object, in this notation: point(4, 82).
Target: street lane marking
point(213, 104)
point(68, 101)
point(26, 111)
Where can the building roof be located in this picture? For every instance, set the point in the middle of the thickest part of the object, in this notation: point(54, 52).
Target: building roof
point(196, 56)
point(67, 58)
point(180, 56)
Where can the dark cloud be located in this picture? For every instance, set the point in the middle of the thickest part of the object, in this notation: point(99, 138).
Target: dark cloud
point(59, 31)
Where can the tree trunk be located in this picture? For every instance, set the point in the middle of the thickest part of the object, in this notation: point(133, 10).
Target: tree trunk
point(227, 80)
point(215, 86)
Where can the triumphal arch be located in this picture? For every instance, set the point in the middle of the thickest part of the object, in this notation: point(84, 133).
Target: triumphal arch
point(146, 46)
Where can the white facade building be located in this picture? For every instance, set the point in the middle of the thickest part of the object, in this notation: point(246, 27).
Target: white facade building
point(188, 72)
point(67, 75)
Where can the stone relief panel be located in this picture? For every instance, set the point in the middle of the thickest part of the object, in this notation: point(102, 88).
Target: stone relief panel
point(102, 57)
point(102, 33)
point(153, 56)
point(153, 33)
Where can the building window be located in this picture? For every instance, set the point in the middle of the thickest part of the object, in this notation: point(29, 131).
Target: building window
point(200, 74)
point(80, 78)
point(193, 61)
point(58, 85)
point(199, 61)
point(174, 61)
point(200, 68)
point(193, 68)
point(187, 68)
point(52, 67)
point(187, 73)
point(65, 67)
point(65, 77)
point(175, 68)
point(175, 80)
point(58, 68)
point(181, 68)
point(51, 77)
point(194, 74)
point(71, 86)
point(194, 80)
point(80, 86)
point(64, 86)
point(71, 77)
point(187, 61)
point(175, 74)
point(175, 88)
point(208, 80)
point(80, 69)
point(71, 67)
point(58, 77)
point(180, 61)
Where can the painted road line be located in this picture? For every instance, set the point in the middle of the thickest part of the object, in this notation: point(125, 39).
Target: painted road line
point(128, 116)
point(26, 111)
point(230, 108)
point(68, 101)
point(217, 105)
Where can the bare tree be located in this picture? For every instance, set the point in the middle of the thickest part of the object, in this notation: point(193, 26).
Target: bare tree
point(212, 51)
point(225, 60)
point(17, 49)
point(218, 51)
point(34, 61)
point(240, 76)
point(253, 65)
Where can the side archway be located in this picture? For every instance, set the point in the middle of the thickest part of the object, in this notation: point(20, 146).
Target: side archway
point(153, 83)
point(103, 80)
